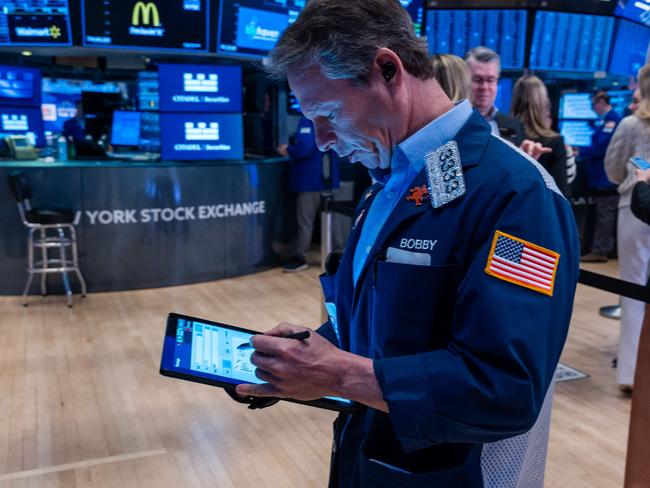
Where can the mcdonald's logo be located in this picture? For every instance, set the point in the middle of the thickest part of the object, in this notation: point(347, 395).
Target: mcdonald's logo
point(147, 13)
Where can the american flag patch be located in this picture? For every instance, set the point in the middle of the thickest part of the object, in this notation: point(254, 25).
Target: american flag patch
point(522, 263)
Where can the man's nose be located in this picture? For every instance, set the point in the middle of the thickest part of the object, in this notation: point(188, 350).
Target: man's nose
point(325, 137)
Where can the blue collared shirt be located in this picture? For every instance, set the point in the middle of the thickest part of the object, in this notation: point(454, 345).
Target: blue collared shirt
point(406, 163)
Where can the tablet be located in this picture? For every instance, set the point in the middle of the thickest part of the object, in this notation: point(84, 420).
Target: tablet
point(209, 352)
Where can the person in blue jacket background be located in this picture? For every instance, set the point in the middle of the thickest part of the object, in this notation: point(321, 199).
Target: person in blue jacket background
point(603, 190)
point(310, 172)
point(451, 304)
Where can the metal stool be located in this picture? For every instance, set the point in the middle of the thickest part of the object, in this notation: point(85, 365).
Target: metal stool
point(49, 229)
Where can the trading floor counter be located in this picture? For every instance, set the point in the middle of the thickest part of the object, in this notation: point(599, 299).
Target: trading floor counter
point(145, 225)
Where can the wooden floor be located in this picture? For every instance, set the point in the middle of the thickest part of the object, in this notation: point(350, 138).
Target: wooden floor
point(82, 403)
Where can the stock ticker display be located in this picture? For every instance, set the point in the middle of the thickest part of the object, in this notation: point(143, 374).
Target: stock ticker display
point(630, 48)
point(156, 24)
point(457, 31)
point(251, 28)
point(35, 23)
point(637, 10)
point(571, 42)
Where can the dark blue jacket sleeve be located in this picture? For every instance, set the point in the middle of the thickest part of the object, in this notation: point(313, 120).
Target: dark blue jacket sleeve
point(491, 380)
point(327, 331)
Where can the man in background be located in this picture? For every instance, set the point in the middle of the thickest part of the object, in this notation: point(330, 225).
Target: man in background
point(310, 173)
point(603, 191)
point(485, 67)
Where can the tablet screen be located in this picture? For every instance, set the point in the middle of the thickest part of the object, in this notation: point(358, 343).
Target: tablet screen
point(213, 350)
point(218, 353)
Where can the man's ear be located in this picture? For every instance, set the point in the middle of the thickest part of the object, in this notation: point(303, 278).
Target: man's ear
point(388, 67)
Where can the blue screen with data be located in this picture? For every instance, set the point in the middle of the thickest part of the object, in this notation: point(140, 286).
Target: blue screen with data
point(22, 121)
point(577, 133)
point(180, 25)
point(20, 86)
point(250, 28)
point(637, 10)
point(200, 88)
point(571, 42)
point(35, 23)
point(415, 8)
point(187, 137)
point(630, 48)
point(458, 31)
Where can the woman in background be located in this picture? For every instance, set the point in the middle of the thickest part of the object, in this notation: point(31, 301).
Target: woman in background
point(452, 74)
point(531, 105)
point(632, 138)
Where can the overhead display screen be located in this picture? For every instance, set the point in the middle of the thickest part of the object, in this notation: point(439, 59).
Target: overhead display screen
point(637, 10)
point(458, 31)
point(20, 86)
point(187, 137)
point(630, 48)
point(571, 42)
point(180, 25)
point(251, 28)
point(35, 23)
point(22, 121)
point(200, 88)
point(577, 106)
point(416, 9)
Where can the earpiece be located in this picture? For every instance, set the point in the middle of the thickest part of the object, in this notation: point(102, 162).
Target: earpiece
point(388, 71)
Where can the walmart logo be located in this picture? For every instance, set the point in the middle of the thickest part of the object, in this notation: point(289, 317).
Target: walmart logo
point(257, 33)
point(145, 20)
point(53, 32)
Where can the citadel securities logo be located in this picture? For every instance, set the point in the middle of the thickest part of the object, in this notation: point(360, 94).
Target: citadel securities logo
point(147, 14)
point(171, 214)
point(257, 33)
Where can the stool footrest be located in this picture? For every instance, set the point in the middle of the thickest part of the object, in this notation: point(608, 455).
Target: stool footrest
point(65, 269)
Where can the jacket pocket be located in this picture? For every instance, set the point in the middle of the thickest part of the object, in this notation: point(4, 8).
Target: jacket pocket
point(412, 307)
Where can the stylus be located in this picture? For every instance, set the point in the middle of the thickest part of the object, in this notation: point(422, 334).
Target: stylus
point(299, 336)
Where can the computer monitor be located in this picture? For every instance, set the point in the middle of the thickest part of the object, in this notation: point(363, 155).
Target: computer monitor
point(60, 97)
point(148, 90)
point(630, 48)
point(24, 121)
point(415, 8)
point(250, 28)
point(139, 130)
point(35, 23)
point(187, 137)
point(577, 132)
point(577, 106)
point(20, 86)
point(571, 42)
point(636, 10)
point(98, 111)
point(200, 88)
point(620, 99)
point(146, 24)
point(457, 31)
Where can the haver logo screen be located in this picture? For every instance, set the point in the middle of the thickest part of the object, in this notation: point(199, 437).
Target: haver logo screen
point(147, 14)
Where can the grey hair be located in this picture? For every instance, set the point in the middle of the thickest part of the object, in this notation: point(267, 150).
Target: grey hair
point(343, 36)
point(482, 54)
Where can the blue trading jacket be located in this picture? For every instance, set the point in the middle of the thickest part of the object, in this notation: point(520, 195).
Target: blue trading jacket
point(463, 358)
point(306, 167)
point(594, 156)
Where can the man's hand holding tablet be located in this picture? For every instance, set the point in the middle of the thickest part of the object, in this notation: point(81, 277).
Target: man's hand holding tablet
point(309, 369)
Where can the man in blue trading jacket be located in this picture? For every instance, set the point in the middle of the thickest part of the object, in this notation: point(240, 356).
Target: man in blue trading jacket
point(452, 301)
point(310, 172)
point(603, 190)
